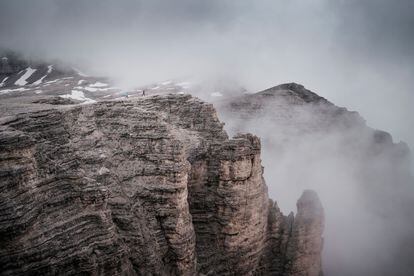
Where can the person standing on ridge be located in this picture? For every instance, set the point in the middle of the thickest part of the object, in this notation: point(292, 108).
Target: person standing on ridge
point(143, 92)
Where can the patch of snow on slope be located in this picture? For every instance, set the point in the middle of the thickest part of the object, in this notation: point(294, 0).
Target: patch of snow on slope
point(3, 81)
point(52, 81)
point(22, 80)
point(80, 82)
point(39, 81)
point(78, 95)
point(98, 84)
point(93, 89)
point(6, 91)
point(216, 94)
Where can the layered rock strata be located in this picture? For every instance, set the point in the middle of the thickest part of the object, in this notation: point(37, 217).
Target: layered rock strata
point(146, 187)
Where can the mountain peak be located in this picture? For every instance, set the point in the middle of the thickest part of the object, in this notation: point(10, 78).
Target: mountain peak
point(293, 89)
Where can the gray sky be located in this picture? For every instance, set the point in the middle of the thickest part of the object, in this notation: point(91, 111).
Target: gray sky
point(358, 54)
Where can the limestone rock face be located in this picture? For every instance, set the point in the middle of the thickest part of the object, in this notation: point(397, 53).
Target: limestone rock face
point(303, 252)
point(146, 187)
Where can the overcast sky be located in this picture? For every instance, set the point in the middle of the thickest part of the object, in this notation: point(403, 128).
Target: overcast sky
point(358, 54)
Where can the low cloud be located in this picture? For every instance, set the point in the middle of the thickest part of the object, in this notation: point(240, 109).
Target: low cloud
point(358, 54)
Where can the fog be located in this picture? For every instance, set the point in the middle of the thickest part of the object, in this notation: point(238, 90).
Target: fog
point(365, 185)
point(357, 54)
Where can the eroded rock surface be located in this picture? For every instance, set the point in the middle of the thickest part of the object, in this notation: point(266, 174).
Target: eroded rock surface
point(146, 187)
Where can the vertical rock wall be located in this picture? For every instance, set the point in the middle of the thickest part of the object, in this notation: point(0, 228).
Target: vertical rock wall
point(146, 187)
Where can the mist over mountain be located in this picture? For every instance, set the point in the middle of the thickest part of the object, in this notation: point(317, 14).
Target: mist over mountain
point(361, 175)
point(357, 54)
point(326, 86)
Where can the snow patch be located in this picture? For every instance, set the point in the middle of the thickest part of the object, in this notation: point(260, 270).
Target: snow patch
point(52, 81)
point(98, 84)
point(78, 95)
point(39, 81)
point(22, 80)
point(3, 82)
point(93, 89)
point(80, 82)
point(216, 94)
point(6, 91)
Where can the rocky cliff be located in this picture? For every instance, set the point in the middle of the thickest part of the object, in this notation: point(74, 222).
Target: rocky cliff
point(149, 186)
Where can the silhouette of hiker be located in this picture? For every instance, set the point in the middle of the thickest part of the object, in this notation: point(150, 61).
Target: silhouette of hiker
point(143, 92)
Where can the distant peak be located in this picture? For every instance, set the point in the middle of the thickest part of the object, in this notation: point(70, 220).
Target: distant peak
point(296, 90)
point(290, 86)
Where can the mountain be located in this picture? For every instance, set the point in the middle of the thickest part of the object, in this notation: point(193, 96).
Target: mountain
point(147, 186)
point(32, 80)
point(362, 176)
